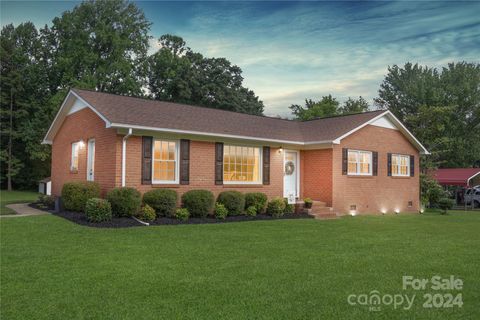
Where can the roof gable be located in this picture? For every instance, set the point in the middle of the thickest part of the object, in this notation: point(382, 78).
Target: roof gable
point(137, 113)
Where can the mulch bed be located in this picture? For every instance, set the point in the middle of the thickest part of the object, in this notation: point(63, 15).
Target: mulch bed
point(124, 222)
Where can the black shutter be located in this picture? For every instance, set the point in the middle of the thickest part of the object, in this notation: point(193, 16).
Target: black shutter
point(389, 164)
point(266, 165)
point(375, 163)
point(412, 166)
point(147, 160)
point(218, 163)
point(344, 161)
point(184, 161)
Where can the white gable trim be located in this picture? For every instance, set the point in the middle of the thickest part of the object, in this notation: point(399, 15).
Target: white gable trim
point(384, 122)
point(71, 104)
point(394, 121)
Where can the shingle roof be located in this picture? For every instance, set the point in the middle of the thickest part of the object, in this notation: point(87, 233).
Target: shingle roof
point(166, 115)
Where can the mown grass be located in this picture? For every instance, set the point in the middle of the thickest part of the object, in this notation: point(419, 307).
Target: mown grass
point(8, 197)
point(290, 269)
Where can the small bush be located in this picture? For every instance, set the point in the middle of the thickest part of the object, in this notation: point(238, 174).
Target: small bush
point(276, 207)
point(234, 201)
point(308, 203)
point(125, 201)
point(220, 211)
point(446, 204)
point(289, 208)
point(164, 201)
point(182, 214)
point(98, 210)
point(46, 201)
point(251, 211)
point(76, 194)
point(258, 200)
point(146, 213)
point(198, 202)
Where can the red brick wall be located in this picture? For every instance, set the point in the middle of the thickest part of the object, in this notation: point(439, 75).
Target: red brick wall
point(84, 125)
point(316, 175)
point(202, 175)
point(372, 194)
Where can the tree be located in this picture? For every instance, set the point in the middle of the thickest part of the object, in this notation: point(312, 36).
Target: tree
point(178, 74)
point(354, 106)
point(327, 106)
point(100, 45)
point(441, 108)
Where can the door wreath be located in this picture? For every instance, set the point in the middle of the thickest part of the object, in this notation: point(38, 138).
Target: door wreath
point(289, 168)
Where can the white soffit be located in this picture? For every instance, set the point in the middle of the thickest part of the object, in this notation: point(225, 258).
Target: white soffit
point(384, 122)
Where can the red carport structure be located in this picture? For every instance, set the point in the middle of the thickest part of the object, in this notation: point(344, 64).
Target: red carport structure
point(463, 177)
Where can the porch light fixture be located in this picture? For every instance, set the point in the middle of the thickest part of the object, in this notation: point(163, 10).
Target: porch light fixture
point(81, 144)
point(281, 149)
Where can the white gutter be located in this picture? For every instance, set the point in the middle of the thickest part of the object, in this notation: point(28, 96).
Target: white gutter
point(124, 155)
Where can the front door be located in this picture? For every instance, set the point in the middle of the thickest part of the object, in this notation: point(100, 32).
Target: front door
point(91, 160)
point(290, 174)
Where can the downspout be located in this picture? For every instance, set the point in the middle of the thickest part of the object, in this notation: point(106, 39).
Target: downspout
point(124, 155)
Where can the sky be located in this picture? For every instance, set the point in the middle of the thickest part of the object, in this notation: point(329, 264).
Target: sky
point(290, 51)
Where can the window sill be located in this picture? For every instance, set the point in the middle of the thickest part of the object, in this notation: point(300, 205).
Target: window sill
point(400, 177)
point(242, 185)
point(356, 176)
point(165, 185)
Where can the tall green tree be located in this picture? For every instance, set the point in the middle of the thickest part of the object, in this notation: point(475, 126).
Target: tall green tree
point(100, 45)
point(176, 73)
point(354, 106)
point(442, 108)
point(327, 107)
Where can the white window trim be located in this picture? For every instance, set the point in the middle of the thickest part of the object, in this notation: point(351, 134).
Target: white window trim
point(177, 162)
point(358, 173)
point(77, 146)
point(398, 165)
point(260, 161)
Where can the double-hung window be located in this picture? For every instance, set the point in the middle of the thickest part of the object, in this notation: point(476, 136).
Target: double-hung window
point(165, 162)
point(241, 164)
point(359, 163)
point(74, 159)
point(400, 165)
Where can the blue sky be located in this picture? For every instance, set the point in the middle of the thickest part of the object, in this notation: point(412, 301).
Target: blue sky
point(290, 51)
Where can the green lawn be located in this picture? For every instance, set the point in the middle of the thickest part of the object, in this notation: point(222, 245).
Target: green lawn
point(290, 269)
point(7, 197)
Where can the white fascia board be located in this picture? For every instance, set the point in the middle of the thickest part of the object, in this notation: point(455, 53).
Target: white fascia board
point(62, 111)
point(221, 135)
point(468, 180)
point(397, 122)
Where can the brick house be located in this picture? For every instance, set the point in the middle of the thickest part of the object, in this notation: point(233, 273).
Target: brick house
point(360, 163)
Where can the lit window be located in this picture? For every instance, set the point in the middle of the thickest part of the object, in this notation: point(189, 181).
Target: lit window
point(241, 164)
point(74, 160)
point(359, 162)
point(165, 164)
point(400, 165)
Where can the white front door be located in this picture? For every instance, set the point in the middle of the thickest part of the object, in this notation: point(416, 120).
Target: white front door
point(290, 174)
point(91, 160)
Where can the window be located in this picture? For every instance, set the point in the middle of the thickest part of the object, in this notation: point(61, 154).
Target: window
point(359, 163)
point(74, 160)
point(241, 164)
point(400, 165)
point(165, 161)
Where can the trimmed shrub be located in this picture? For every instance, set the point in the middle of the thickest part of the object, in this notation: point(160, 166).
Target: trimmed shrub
point(251, 211)
point(446, 204)
point(198, 202)
point(46, 201)
point(76, 194)
point(276, 207)
point(163, 201)
point(220, 211)
point(182, 214)
point(125, 201)
point(289, 208)
point(257, 199)
point(98, 210)
point(234, 201)
point(146, 213)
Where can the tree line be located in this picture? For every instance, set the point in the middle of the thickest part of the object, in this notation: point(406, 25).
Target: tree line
point(103, 45)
